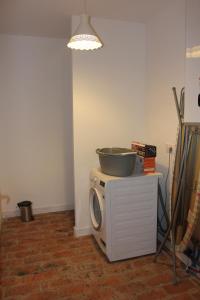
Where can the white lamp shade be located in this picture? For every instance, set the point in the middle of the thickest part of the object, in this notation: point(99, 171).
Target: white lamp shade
point(193, 52)
point(85, 37)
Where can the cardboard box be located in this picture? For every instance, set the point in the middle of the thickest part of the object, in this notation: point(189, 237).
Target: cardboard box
point(144, 149)
point(145, 165)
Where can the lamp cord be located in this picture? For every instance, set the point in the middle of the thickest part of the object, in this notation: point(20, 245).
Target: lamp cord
point(85, 6)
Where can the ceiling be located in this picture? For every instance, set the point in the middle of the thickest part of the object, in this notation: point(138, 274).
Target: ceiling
point(51, 18)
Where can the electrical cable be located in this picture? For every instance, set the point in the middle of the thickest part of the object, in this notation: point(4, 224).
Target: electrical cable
point(174, 214)
point(184, 152)
point(163, 202)
point(167, 177)
point(165, 214)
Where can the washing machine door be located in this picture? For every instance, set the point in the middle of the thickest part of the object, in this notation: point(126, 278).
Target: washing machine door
point(96, 208)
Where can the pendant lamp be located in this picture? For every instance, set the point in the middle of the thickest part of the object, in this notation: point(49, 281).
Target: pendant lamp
point(85, 37)
point(193, 52)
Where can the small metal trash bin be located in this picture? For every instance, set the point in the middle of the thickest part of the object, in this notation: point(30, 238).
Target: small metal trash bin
point(25, 211)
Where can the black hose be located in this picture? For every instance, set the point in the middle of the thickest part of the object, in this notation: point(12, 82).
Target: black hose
point(183, 154)
point(172, 225)
point(177, 106)
point(165, 214)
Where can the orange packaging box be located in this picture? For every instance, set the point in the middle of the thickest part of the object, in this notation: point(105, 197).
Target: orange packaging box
point(149, 162)
point(144, 150)
point(149, 170)
point(145, 165)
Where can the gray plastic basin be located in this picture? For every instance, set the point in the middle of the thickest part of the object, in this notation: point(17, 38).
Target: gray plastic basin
point(117, 161)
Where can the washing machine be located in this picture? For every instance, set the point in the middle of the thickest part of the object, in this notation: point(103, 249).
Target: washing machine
point(123, 213)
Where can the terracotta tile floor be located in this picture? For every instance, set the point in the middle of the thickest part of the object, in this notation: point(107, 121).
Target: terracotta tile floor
point(42, 260)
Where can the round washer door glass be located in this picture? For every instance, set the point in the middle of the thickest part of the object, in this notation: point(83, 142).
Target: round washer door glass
point(95, 208)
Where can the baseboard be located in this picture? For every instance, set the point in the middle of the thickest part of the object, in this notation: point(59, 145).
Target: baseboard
point(82, 231)
point(38, 210)
point(41, 210)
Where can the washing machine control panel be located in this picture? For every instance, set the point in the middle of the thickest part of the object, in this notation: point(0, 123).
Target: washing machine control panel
point(102, 183)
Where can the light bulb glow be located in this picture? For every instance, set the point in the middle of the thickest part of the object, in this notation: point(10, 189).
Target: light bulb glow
point(84, 42)
point(193, 52)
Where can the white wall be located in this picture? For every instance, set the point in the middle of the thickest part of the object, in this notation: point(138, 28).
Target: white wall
point(35, 123)
point(192, 72)
point(165, 69)
point(108, 95)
